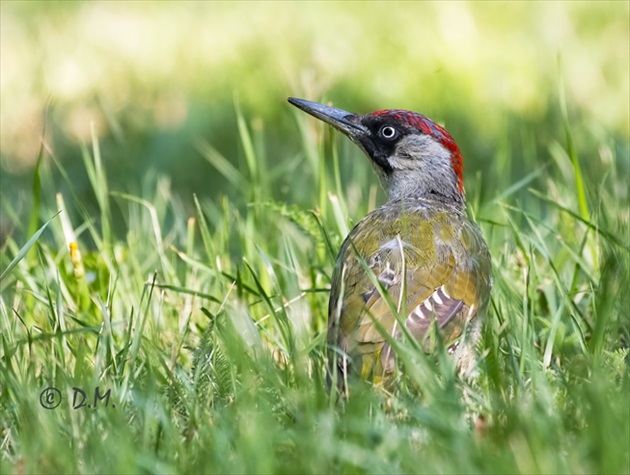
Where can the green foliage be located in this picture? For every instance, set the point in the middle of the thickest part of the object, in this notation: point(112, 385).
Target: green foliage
point(196, 291)
point(213, 349)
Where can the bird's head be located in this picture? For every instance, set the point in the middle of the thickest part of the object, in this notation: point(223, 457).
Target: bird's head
point(413, 156)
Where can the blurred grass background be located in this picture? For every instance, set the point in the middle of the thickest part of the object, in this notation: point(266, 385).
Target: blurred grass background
point(155, 78)
point(207, 213)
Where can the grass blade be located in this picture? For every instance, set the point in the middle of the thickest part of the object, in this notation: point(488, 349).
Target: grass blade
point(22, 252)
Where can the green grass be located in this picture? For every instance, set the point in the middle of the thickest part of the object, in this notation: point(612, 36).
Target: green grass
point(207, 323)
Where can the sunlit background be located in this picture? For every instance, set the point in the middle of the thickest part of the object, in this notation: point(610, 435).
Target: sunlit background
point(169, 226)
point(157, 81)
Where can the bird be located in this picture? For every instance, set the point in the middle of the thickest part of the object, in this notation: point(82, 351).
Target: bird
point(419, 247)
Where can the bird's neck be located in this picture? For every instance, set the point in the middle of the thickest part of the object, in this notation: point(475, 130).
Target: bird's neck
point(408, 186)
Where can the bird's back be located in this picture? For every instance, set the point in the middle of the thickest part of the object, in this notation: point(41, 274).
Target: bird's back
point(446, 268)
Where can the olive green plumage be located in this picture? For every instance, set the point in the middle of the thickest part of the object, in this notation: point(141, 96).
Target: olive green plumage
point(434, 246)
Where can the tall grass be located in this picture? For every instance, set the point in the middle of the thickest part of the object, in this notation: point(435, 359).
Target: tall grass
point(208, 327)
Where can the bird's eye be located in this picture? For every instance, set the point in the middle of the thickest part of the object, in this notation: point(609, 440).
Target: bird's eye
point(388, 132)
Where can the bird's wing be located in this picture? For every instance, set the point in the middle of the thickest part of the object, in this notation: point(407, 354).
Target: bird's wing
point(446, 265)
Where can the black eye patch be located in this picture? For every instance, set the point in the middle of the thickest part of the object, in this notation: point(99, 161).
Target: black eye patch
point(380, 128)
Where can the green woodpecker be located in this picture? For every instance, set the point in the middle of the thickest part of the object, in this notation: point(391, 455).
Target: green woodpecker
point(420, 246)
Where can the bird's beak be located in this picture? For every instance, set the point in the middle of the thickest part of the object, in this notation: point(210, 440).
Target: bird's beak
point(346, 122)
